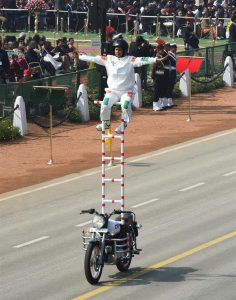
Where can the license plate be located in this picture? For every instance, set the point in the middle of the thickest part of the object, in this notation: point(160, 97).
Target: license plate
point(102, 230)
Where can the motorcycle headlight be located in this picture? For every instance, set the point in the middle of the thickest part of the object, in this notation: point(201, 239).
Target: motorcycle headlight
point(98, 221)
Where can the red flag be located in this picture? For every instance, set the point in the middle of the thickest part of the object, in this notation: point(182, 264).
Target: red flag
point(195, 64)
point(182, 64)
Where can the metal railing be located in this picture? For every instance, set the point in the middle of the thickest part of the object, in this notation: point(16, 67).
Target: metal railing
point(78, 21)
point(214, 58)
point(9, 91)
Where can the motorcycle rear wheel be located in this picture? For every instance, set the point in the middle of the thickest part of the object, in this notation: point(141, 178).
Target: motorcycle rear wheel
point(92, 268)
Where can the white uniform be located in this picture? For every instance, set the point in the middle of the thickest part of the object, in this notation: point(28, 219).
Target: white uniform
point(121, 81)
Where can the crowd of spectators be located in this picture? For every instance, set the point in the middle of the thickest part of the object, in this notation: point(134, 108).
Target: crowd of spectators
point(64, 57)
point(207, 15)
point(121, 12)
point(34, 57)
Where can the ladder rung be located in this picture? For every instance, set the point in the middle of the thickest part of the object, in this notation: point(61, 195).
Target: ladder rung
point(106, 136)
point(112, 201)
point(112, 180)
point(112, 158)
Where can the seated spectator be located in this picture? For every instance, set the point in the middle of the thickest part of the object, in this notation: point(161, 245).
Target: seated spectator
point(22, 37)
point(60, 54)
point(71, 45)
point(27, 75)
point(32, 56)
point(189, 16)
point(205, 25)
point(180, 23)
point(76, 63)
point(16, 70)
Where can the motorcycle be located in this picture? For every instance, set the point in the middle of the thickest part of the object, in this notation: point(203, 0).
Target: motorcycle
point(109, 242)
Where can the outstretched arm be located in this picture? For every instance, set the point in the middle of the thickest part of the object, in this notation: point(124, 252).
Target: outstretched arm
point(140, 61)
point(98, 59)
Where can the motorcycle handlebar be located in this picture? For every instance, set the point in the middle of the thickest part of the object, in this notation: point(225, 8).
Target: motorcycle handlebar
point(118, 211)
point(88, 211)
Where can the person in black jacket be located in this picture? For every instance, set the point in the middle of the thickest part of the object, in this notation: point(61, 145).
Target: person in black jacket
point(141, 48)
point(232, 30)
point(10, 15)
point(4, 65)
point(172, 75)
point(160, 75)
point(107, 49)
point(190, 38)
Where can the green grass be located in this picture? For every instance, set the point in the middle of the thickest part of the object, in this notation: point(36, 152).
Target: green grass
point(81, 38)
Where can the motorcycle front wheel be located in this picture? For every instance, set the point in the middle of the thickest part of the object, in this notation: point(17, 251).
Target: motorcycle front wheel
point(92, 268)
point(123, 264)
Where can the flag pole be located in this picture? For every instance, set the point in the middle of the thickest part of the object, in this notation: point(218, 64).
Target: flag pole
point(190, 99)
point(50, 162)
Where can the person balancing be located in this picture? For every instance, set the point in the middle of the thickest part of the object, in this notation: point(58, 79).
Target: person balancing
point(120, 81)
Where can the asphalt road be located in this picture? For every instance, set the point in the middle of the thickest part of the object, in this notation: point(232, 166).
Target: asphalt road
point(183, 195)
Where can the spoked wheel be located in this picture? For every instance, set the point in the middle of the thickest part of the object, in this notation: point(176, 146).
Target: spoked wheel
point(93, 270)
point(123, 263)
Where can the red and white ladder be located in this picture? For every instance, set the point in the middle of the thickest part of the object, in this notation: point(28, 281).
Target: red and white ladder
point(119, 159)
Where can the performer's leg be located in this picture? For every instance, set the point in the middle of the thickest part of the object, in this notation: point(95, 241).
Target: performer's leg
point(108, 101)
point(126, 101)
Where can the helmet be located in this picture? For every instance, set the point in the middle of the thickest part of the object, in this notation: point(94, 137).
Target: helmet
point(122, 44)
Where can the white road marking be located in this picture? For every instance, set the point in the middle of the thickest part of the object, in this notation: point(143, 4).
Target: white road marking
point(230, 173)
point(144, 203)
point(192, 186)
point(83, 224)
point(49, 186)
point(159, 153)
point(31, 242)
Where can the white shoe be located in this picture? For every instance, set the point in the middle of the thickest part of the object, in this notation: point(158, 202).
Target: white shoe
point(158, 108)
point(118, 130)
point(170, 102)
point(160, 103)
point(107, 126)
point(164, 102)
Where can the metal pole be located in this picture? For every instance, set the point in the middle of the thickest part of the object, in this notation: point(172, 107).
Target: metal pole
point(28, 21)
point(68, 21)
point(190, 98)
point(62, 26)
point(57, 21)
point(174, 20)
point(126, 25)
point(158, 27)
point(50, 162)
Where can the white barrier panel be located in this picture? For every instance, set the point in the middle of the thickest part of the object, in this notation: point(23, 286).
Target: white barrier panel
point(228, 76)
point(19, 118)
point(184, 84)
point(82, 104)
point(137, 101)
